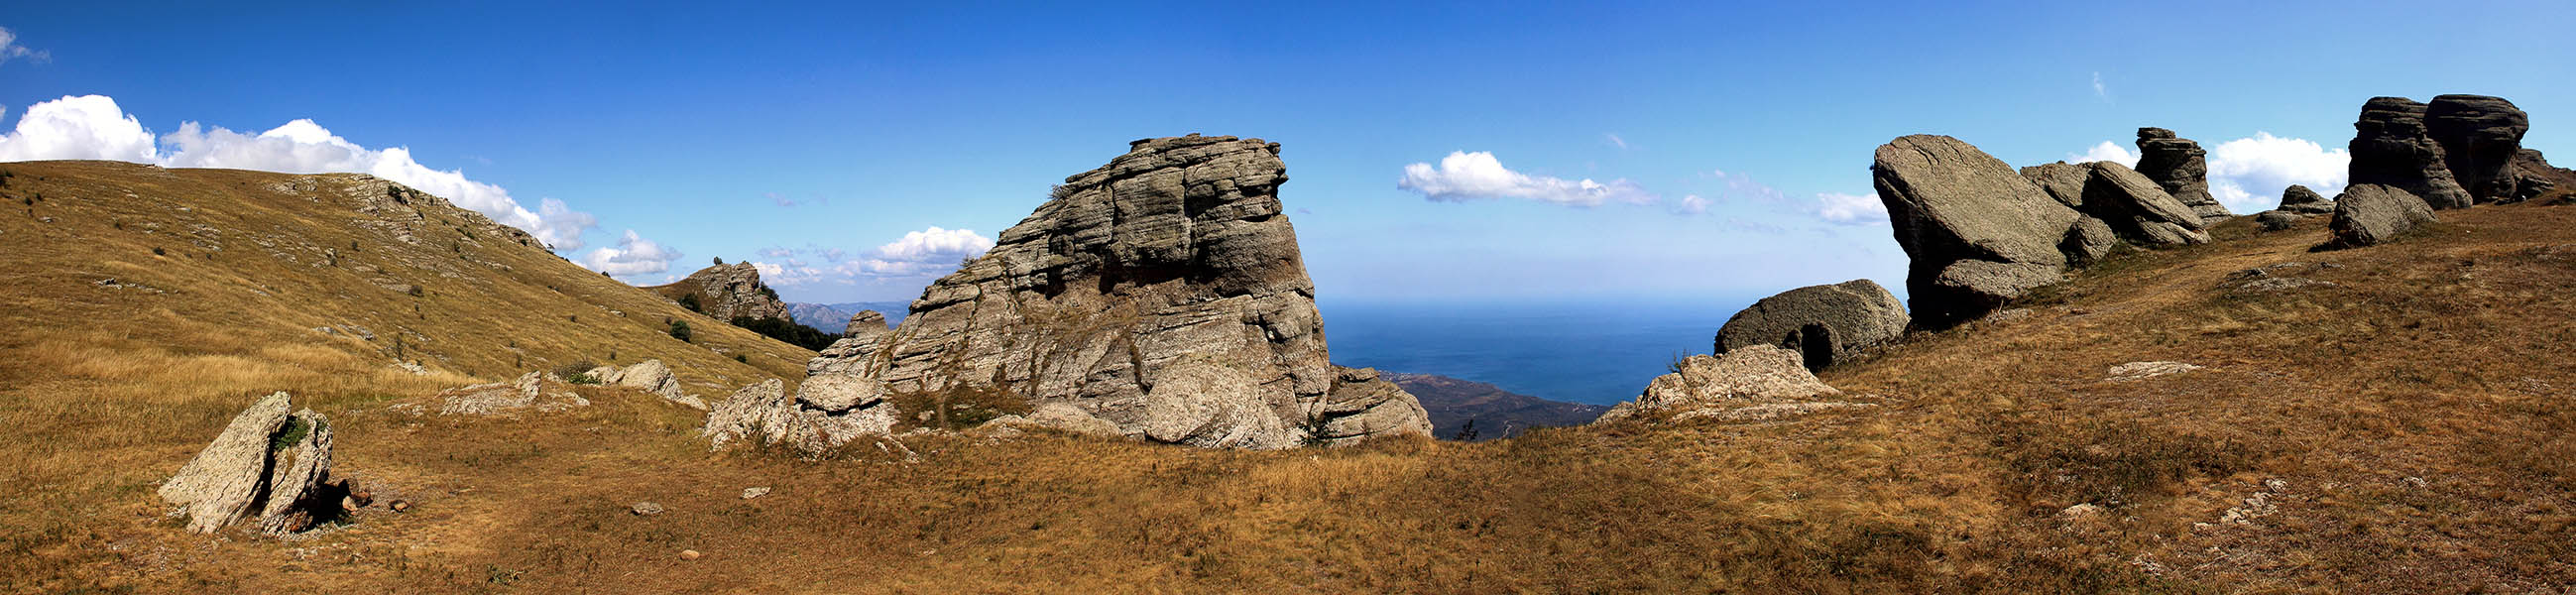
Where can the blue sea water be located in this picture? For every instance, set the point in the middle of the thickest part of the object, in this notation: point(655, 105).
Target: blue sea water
point(1598, 352)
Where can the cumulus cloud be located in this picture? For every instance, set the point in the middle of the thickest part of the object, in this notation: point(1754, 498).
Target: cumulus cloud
point(2248, 174)
point(2107, 151)
point(1850, 209)
point(633, 255)
point(916, 256)
point(1464, 176)
point(10, 50)
point(93, 127)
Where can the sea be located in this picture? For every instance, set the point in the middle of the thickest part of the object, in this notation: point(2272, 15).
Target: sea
point(1584, 351)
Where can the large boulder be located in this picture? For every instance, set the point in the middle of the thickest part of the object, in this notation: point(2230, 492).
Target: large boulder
point(267, 465)
point(2299, 199)
point(2180, 167)
point(2480, 136)
point(2134, 207)
point(2391, 148)
point(653, 377)
point(1174, 261)
point(827, 411)
point(1751, 382)
point(1978, 234)
point(726, 292)
point(1826, 324)
point(2369, 214)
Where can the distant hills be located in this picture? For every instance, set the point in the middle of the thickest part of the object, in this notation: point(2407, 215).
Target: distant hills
point(1497, 412)
point(835, 318)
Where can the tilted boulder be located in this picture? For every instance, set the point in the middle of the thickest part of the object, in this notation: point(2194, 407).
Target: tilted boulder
point(1826, 324)
point(2299, 199)
point(1173, 264)
point(864, 336)
point(2369, 214)
point(267, 465)
point(827, 411)
point(2390, 148)
point(2134, 207)
point(1977, 233)
point(2180, 167)
point(2480, 136)
point(653, 377)
point(1753, 382)
point(728, 291)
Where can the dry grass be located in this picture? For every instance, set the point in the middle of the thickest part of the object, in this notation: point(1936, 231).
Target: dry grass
point(2436, 359)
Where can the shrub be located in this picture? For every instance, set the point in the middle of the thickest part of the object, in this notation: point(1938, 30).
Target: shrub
point(738, 358)
point(577, 372)
point(691, 302)
point(788, 332)
point(680, 330)
point(286, 437)
point(157, 251)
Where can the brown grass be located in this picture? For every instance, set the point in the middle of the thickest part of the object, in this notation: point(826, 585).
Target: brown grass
point(2437, 359)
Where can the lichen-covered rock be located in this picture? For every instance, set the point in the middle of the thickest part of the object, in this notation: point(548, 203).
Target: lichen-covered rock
point(1053, 416)
point(1826, 324)
point(2299, 199)
point(1762, 376)
point(1977, 232)
point(2479, 136)
point(2180, 167)
point(2370, 214)
point(827, 411)
point(2391, 148)
point(728, 291)
point(1173, 261)
point(265, 458)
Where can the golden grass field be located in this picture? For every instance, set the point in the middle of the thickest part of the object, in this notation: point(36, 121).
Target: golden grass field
point(2418, 418)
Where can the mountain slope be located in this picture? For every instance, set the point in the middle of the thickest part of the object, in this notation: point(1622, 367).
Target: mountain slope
point(1498, 413)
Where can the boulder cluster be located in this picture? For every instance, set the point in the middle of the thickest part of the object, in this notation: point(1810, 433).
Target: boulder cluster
point(268, 467)
point(1162, 293)
point(2410, 159)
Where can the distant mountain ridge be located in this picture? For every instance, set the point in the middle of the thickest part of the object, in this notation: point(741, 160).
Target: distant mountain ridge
point(835, 318)
point(1453, 402)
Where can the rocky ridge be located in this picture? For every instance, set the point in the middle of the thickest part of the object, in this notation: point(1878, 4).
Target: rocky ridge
point(726, 292)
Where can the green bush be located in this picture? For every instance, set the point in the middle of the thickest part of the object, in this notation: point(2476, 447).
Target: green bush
point(788, 331)
point(680, 330)
point(691, 302)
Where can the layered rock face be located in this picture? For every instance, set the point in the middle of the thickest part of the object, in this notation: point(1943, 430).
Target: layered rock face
point(2390, 147)
point(866, 331)
point(730, 291)
point(2480, 136)
point(2182, 169)
point(2368, 214)
point(1756, 382)
point(1163, 293)
point(1977, 233)
point(2135, 208)
point(2537, 178)
point(1824, 323)
point(267, 466)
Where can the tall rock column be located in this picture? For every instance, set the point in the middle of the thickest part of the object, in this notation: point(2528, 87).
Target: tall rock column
point(2480, 136)
point(1162, 292)
point(2182, 168)
point(2391, 148)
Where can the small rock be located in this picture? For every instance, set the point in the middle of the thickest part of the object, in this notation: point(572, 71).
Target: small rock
point(690, 555)
point(399, 506)
point(645, 509)
point(2416, 482)
point(750, 493)
point(2145, 370)
point(2276, 484)
point(2079, 511)
point(2277, 220)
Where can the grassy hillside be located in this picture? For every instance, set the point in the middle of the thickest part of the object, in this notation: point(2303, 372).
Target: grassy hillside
point(2409, 428)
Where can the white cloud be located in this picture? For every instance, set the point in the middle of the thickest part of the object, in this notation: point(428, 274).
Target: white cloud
point(2107, 151)
point(912, 258)
point(93, 127)
point(1690, 204)
point(936, 243)
point(633, 255)
point(2248, 174)
point(1615, 141)
point(1851, 209)
point(10, 50)
point(1464, 176)
point(776, 252)
point(2098, 89)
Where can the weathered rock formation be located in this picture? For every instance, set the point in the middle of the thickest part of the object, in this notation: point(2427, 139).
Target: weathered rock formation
point(726, 292)
point(267, 465)
point(1162, 292)
point(2182, 169)
point(1977, 232)
point(1755, 382)
point(867, 331)
point(653, 377)
point(2480, 136)
point(2299, 199)
point(1826, 324)
point(503, 398)
point(1059, 417)
point(2277, 220)
point(2368, 214)
point(2391, 148)
point(827, 411)
point(2132, 206)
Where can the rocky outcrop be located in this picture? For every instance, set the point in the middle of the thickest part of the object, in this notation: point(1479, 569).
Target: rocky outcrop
point(2391, 148)
point(726, 292)
point(2180, 167)
point(1750, 383)
point(2135, 208)
point(827, 411)
point(653, 377)
point(1826, 324)
point(865, 334)
point(1058, 417)
point(267, 465)
point(2536, 178)
point(503, 398)
point(1978, 234)
point(2370, 214)
point(2480, 136)
point(1162, 292)
point(2299, 199)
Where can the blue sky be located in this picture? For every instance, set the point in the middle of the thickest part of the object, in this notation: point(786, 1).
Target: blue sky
point(831, 141)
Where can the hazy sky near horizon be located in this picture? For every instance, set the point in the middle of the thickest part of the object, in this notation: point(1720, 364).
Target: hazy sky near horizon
point(1499, 151)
